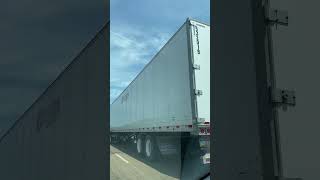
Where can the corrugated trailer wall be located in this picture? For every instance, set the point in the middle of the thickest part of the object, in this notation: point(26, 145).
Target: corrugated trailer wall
point(160, 95)
point(62, 135)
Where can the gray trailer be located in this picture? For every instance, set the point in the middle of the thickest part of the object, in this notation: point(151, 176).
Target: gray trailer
point(167, 105)
point(54, 138)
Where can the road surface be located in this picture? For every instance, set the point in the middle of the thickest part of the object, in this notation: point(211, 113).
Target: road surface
point(126, 165)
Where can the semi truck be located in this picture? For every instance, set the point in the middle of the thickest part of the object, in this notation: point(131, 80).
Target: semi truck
point(166, 108)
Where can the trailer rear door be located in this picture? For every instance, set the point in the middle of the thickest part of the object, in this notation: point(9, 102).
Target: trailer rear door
point(200, 48)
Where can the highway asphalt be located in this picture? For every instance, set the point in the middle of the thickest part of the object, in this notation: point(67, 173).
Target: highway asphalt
point(125, 164)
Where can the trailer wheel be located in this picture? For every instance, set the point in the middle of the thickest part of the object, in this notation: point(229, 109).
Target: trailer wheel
point(140, 144)
point(151, 148)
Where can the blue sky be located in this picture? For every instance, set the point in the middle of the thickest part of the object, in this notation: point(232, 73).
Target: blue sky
point(140, 28)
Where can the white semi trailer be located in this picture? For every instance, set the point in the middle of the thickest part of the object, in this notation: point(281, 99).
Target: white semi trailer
point(61, 135)
point(166, 108)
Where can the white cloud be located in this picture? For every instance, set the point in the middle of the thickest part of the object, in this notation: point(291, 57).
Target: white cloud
point(131, 49)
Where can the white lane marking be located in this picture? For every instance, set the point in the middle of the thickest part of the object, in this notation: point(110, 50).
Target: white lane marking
point(121, 158)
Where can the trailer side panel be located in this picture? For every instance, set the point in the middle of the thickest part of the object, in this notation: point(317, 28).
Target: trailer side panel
point(159, 97)
point(62, 135)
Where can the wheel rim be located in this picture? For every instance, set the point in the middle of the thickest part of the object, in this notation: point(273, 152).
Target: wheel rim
point(139, 145)
point(148, 147)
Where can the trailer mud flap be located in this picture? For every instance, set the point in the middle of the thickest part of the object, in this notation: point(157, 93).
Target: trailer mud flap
point(204, 143)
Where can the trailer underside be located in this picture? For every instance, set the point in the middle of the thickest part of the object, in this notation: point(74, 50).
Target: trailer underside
point(154, 145)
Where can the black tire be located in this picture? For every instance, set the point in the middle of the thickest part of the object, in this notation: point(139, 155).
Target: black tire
point(151, 148)
point(140, 145)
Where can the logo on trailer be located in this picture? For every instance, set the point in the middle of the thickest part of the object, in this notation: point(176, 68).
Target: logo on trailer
point(124, 98)
point(48, 115)
point(196, 33)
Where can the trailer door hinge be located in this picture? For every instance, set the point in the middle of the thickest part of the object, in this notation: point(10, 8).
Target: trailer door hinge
point(283, 98)
point(198, 92)
point(277, 17)
point(196, 67)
